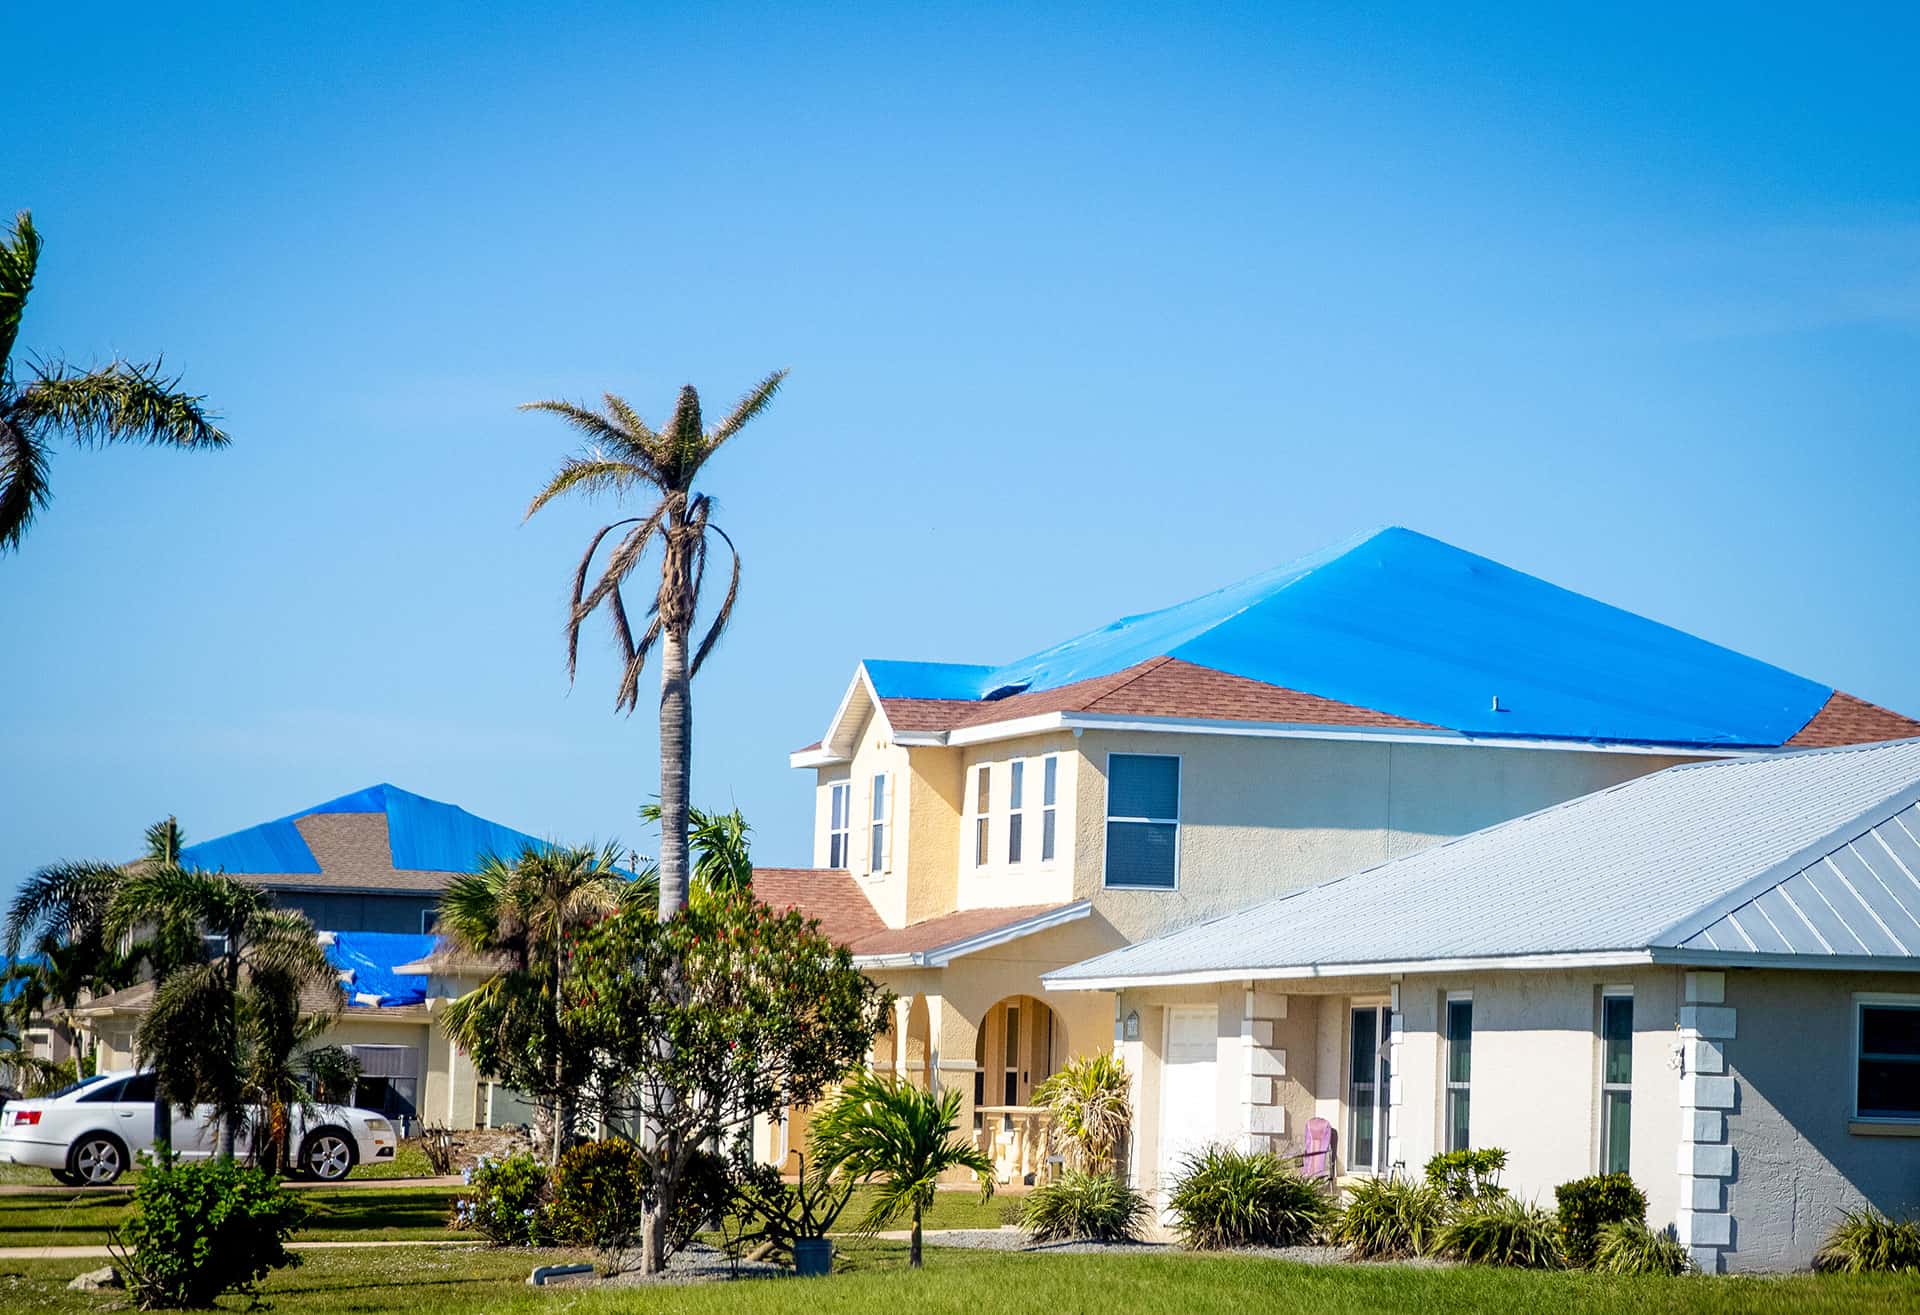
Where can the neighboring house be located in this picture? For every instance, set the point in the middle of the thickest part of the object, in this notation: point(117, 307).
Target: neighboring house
point(368, 868)
point(1706, 978)
point(982, 826)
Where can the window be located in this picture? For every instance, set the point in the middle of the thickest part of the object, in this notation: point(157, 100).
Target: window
point(1011, 1090)
point(982, 792)
point(877, 851)
point(1016, 816)
point(1049, 797)
point(1367, 1087)
point(1143, 820)
point(1616, 1080)
point(429, 921)
point(1459, 1070)
point(1888, 1033)
point(839, 823)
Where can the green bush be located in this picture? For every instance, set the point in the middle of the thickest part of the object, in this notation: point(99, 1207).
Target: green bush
point(1628, 1246)
point(1867, 1242)
point(1390, 1218)
point(1589, 1204)
point(508, 1201)
point(1468, 1175)
point(1502, 1231)
point(1232, 1198)
point(767, 1211)
point(1095, 1206)
point(599, 1188)
point(202, 1229)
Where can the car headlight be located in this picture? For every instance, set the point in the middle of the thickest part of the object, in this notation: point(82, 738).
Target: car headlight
point(379, 1125)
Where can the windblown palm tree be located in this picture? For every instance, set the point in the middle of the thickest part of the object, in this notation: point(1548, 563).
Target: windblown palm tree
point(524, 915)
point(124, 402)
point(285, 1061)
point(194, 1035)
point(624, 454)
point(889, 1133)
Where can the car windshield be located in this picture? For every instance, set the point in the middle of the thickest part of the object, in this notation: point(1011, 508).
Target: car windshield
point(81, 1085)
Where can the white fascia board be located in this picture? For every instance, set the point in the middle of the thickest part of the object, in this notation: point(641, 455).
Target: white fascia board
point(1873, 963)
point(1307, 972)
point(942, 955)
point(860, 681)
point(918, 739)
point(1096, 721)
point(817, 757)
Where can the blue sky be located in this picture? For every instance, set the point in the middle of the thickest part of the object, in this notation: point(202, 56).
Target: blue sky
point(1088, 310)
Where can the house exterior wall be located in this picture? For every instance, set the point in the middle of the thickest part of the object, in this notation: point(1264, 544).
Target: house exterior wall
point(361, 911)
point(997, 883)
point(875, 754)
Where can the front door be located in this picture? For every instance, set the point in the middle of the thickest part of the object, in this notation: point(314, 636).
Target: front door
point(1189, 1088)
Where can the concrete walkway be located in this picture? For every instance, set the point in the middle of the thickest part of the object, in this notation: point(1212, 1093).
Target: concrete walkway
point(100, 1252)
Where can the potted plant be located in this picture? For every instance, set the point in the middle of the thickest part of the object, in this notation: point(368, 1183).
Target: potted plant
point(785, 1221)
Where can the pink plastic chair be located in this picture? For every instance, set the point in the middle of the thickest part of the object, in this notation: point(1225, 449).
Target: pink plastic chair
point(1317, 1159)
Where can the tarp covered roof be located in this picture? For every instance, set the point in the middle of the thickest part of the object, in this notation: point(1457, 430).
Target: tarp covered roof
point(1406, 625)
point(426, 835)
point(1812, 857)
point(367, 959)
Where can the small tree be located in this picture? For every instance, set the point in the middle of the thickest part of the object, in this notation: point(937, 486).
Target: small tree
point(1090, 1110)
point(885, 1131)
point(698, 1024)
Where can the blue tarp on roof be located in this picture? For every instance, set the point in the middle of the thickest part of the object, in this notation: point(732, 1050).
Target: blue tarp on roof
point(10, 986)
point(927, 680)
point(425, 835)
point(371, 957)
point(1405, 624)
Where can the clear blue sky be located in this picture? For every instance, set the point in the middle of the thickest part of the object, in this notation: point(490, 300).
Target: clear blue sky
point(1087, 311)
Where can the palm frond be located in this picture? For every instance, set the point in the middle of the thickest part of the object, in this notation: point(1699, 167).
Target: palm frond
point(580, 587)
point(165, 840)
point(24, 491)
point(61, 902)
point(724, 614)
point(19, 257)
point(682, 439)
point(756, 401)
point(588, 475)
point(632, 428)
point(126, 401)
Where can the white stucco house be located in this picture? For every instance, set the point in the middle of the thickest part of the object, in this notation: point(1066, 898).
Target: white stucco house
point(1708, 977)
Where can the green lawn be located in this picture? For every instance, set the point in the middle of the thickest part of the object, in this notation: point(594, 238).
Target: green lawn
point(436, 1282)
point(70, 1218)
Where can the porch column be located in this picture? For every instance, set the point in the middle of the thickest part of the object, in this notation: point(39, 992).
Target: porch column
point(1707, 1092)
point(902, 1021)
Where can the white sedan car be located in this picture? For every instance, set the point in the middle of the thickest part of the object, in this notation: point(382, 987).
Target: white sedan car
point(95, 1130)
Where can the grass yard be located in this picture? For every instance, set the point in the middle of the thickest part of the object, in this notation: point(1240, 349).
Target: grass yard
point(69, 1218)
point(453, 1282)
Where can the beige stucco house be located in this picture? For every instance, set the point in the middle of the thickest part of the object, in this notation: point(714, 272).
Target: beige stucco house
point(979, 828)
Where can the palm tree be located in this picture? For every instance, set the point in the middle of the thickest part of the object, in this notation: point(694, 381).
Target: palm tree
point(721, 845)
point(194, 1033)
point(524, 916)
point(624, 454)
point(887, 1131)
point(285, 1062)
point(124, 402)
point(1091, 1109)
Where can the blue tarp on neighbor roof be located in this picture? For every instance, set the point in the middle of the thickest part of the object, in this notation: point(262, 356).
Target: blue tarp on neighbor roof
point(371, 956)
point(425, 834)
point(1402, 623)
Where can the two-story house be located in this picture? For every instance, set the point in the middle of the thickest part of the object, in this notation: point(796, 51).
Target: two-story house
point(977, 827)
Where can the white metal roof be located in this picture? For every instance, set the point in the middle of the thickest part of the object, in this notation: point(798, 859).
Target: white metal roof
point(1809, 859)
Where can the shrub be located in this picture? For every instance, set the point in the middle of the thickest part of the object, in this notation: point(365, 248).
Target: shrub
point(1088, 1099)
point(1502, 1231)
point(1232, 1198)
point(1589, 1204)
point(1095, 1206)
point(1468, 1175)
point(202, 1229)
point(508, 1201)
point(1628, 1246)
point(768, 1211)
point(598, 1190)
point(1389, 1218)
point(1867, 1242)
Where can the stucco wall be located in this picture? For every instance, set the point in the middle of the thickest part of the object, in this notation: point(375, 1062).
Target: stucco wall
point(874, 754)
point(998, 883)
point(1796, 1164)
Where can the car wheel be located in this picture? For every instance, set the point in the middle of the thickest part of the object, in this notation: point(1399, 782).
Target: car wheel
point(327, 1155)
point(97, 1159)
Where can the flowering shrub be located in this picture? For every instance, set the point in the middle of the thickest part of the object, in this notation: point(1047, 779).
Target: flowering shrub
point(508, 1201)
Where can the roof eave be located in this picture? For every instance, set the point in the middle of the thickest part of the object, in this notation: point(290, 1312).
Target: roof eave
point(942, 955)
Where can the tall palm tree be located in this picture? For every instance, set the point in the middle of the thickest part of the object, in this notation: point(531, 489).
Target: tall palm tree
point(194, 1033)
point(524, 916)
point(124, 402)
point(624, 454)
point(284, 1061)
point(888, 1132)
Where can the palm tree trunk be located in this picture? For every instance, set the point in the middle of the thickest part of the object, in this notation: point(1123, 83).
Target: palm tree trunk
point(913, 1247)
point(229, 1124)
point(676, 763)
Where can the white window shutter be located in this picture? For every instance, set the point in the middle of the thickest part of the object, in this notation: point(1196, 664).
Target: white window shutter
point(889, 823)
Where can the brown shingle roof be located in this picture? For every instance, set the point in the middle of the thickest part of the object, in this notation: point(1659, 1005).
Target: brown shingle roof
point(354, 853)
point(829, 894)
point(947, 929)
point(1845, 719)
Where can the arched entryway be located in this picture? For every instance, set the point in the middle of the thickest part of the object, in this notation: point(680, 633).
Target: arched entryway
point(1019, 1044)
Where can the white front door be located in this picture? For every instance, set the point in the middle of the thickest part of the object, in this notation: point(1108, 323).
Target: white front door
point(1189, 1088)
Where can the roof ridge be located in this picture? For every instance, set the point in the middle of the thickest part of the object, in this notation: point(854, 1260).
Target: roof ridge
point(1139, 670)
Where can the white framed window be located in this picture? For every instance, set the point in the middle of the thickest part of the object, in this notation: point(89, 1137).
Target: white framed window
point(1616, 1079)
point(1016, 808)
point(877, 826)
point(1369, 1081)
point(1143, 821)
point(429, 921)
point(982, 824)
point(1049, 804)
point(839, 824)
point(1459, 1069)
point(1886, 1047)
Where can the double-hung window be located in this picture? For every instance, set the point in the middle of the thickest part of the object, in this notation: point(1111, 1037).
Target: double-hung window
point(1459, 1069)
point(1049, 800)
point(1888, 1078)
point(982, 826)
point(1616, 1079)
point(839, 823)
point(1143, 820)
point(877, 848)
point(1016, 808)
